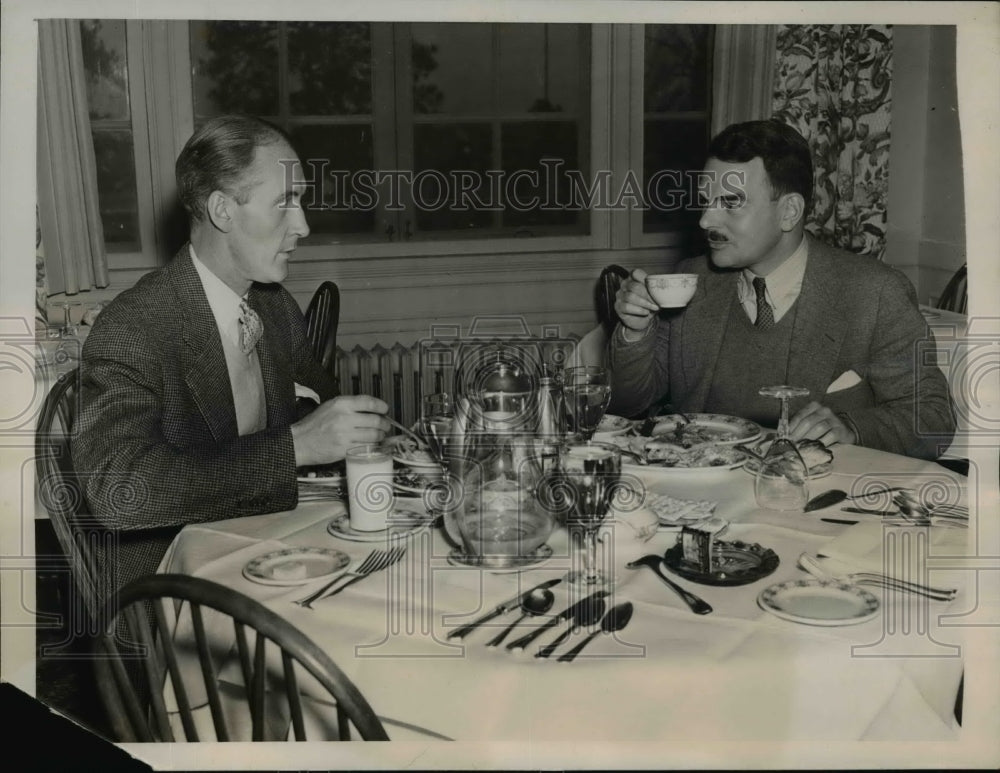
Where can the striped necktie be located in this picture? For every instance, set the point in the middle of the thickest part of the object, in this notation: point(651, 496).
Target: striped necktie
point(251, 328)
point(765, 314)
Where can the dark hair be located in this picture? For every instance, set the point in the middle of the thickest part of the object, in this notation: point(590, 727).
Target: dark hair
point(217, 156)
point(783, 150)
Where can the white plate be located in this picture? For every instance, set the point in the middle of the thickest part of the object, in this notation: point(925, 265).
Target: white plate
point(715, 428)
point(296, 566)
point(612, 426)
point(819, 602)
point(402, 523)
point(333, 479)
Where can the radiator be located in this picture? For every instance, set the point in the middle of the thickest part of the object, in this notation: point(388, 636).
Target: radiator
point(401, 375)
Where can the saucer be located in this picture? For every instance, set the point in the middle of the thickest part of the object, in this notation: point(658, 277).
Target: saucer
point(540, 556)
point(402, 524)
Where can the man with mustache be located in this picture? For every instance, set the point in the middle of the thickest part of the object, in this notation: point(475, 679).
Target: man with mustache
point(775, 306)
point(189, 379)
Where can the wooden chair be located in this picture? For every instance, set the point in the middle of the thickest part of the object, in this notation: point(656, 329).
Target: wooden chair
point(592, 347)
point(60, 490)
point(159, 658)
point(955, 295)
point(322, 319)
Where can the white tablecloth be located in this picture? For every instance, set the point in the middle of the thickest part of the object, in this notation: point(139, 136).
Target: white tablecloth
point(737, 673)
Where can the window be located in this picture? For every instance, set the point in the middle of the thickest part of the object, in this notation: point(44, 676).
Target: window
point(424, 138)
point(105, 59)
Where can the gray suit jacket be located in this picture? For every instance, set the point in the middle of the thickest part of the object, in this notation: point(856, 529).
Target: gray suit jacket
point(854, 313)
point(156, 438)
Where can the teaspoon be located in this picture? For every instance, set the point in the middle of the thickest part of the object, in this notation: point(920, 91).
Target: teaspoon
point(538, 602)
point(616, 619)
point(586, 615)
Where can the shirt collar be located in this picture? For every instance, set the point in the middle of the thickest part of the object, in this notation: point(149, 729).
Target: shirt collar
point(785, 280)
point(225, 303)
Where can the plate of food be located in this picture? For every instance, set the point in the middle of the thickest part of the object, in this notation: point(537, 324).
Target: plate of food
point(322, 474)
point(694, 429)
point(296, 566)
point(816, 455)
point(406, 450)
point(611, 426)
point(665, 456)
point(819, 602)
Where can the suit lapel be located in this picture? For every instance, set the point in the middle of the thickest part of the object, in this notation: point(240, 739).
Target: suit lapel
point(703, 326)
point(204, 363)
point(820, 324)
point(279, 389)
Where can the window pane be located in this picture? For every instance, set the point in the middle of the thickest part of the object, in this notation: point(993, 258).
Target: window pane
point(116, 187)
point(671, 149)
point(343, 150)
point(540, 68)
point(678, 62)
point(452, 68)
point(105, 62)
point(524, 146)
point(438, 150)
point(235, 67)
point(330, 68)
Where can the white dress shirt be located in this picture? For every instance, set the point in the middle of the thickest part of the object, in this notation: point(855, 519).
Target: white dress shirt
point(783, 284)
point(244, 369)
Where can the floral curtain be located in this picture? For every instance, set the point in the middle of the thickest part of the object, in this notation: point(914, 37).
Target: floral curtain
point(832, 83)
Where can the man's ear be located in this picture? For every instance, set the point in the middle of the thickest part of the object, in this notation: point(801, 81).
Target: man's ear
point(219, 208)
point(793, 210)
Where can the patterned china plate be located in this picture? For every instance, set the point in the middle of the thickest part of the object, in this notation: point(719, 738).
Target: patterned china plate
point(819, 602)
point(714, 428)
point(295, 566)
point(610, 426)
point(321, 475)
point(403, 523)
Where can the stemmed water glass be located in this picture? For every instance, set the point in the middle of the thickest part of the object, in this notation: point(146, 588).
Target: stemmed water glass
point(782, 476)
point(586, 394)
point(591, 472)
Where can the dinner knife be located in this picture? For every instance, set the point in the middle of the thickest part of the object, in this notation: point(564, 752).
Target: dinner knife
point(862, 511)
point(566, 614)
point(499, 609)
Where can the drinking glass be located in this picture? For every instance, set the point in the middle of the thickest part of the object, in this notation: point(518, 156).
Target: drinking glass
point(370, 497)
point(782, 477)
point(590, 473)
point(436, 422)
point(586, 394)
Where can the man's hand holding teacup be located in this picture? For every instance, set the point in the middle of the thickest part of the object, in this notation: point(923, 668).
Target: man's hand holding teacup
point(634, 305)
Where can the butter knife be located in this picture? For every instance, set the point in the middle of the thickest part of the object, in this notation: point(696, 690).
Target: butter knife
point(499, 609)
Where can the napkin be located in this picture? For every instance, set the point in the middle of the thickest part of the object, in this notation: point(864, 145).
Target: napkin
point(304, 391)
point(897, 551)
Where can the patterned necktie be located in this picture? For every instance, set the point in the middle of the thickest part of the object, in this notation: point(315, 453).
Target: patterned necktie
point(251, 328)
point(765, 314)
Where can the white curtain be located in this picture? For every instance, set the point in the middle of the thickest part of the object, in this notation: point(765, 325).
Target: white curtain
point(743, 77)
point(67, 173)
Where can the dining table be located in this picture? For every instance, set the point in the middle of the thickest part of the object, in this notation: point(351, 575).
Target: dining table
point(739, 673)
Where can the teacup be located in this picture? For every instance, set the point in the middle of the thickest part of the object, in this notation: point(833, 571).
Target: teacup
point(672, 290)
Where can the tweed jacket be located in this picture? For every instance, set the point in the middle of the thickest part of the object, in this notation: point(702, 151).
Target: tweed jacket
point(853, 313)
point(156, 439)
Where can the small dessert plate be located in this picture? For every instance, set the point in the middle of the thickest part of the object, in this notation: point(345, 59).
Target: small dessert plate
point(819, 602)
point(296, 566)
point(402, 523)
point(733, 563)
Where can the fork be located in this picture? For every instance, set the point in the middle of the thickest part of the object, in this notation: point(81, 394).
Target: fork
point(812, 566)
point(376, 561)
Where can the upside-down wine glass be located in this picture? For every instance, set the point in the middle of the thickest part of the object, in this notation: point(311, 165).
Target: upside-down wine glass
point(782, 477)
point(591, 471)
point(586, 394)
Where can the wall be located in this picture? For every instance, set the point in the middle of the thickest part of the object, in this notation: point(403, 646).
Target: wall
point(926, 232)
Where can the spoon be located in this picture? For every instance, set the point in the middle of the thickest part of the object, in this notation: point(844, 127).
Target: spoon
point(616, 619)
point(836, 496)
point(538, 602)
point(586, 615)
point(698, 606)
